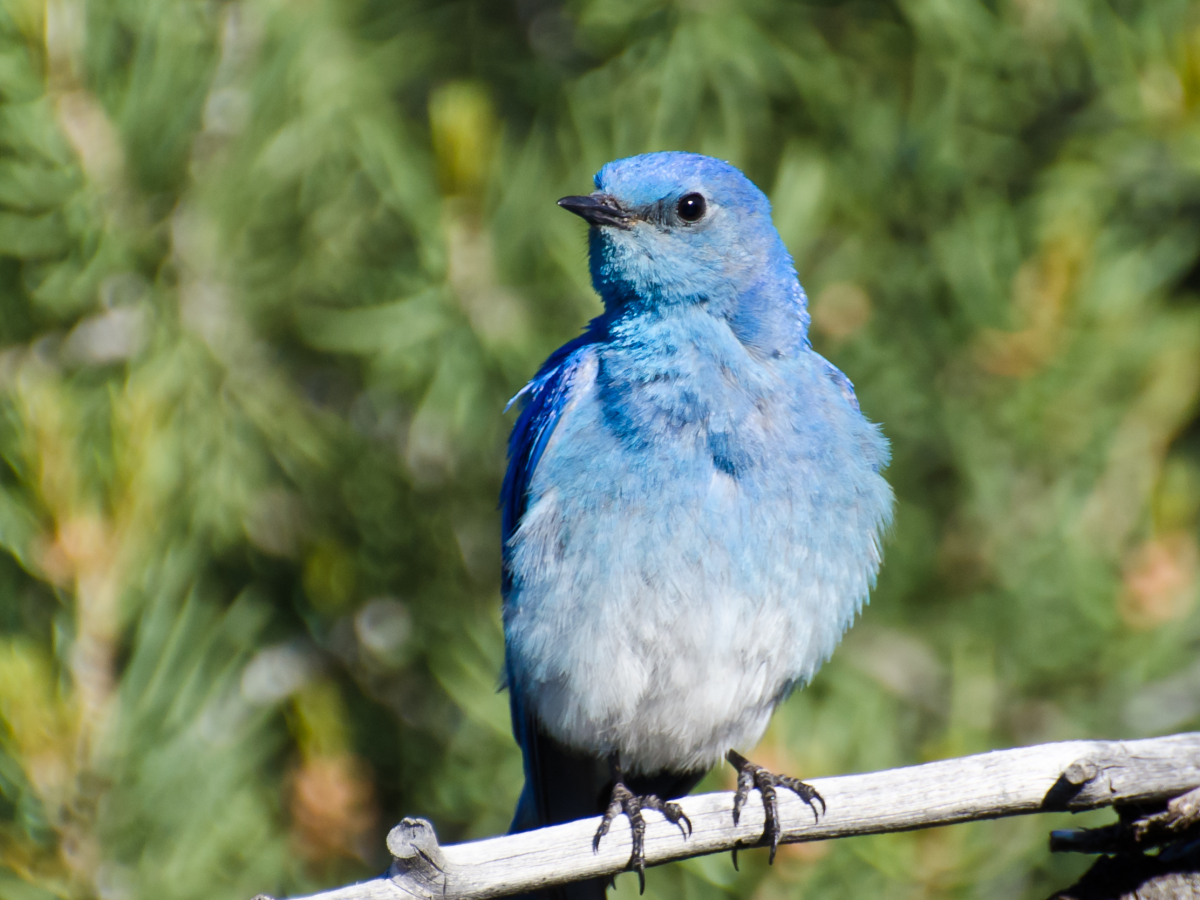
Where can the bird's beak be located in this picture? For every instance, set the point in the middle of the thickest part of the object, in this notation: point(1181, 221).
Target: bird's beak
point(598, 209)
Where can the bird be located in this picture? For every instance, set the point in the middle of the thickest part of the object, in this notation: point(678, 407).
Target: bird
point(692, 514)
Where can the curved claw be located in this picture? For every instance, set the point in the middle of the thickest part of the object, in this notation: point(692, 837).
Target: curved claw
point(625, 802)
point(751, 776)
point(686, 821)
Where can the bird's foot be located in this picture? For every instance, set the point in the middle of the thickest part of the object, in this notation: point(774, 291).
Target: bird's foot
point(751, 776)
point(625, 802)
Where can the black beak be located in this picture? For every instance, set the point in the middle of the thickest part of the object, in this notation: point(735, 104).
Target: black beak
point(598, 209)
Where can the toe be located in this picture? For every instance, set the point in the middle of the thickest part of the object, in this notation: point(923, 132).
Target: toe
point(805, 792)
point(751, 776)
point(624, 802)
point(674, 814)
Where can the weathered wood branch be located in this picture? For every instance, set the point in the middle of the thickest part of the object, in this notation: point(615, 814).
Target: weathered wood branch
point(1075, 775)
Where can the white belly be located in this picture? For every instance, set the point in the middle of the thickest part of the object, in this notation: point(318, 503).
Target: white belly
point(668, 639)
point(672, 694)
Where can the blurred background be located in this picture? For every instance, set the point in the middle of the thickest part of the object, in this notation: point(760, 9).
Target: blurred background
point(270, 270)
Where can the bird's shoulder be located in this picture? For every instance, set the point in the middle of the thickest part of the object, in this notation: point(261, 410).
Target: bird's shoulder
point(843, 387)
point(544, 400)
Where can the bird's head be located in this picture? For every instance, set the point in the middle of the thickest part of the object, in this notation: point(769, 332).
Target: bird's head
point(673, 228)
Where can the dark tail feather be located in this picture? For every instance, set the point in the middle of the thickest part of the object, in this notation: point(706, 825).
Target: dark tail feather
point(562, 785)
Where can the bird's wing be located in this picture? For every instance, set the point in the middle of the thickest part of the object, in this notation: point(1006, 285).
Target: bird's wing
point(559, 785)
point(545, 398)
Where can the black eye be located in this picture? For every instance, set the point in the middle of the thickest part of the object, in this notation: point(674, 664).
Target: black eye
point(691, 207)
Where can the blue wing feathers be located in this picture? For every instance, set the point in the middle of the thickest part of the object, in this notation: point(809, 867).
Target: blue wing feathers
point(560, 785)
point(545, 398)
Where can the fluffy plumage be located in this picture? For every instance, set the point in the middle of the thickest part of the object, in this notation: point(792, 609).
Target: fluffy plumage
point(693, 506)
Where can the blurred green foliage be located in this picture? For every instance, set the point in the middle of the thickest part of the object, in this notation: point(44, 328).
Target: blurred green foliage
point(269, 271)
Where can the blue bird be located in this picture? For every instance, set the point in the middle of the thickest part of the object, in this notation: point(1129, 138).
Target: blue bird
point(692, 512)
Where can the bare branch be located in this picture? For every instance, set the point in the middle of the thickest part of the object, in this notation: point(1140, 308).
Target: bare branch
point(1075, 775)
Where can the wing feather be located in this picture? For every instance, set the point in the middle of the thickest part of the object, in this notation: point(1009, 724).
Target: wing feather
point(545, 398)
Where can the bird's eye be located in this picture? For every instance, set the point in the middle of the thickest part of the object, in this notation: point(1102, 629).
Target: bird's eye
point(691, 207)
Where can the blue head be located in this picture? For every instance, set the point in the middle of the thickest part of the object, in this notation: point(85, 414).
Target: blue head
point(680, 228)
